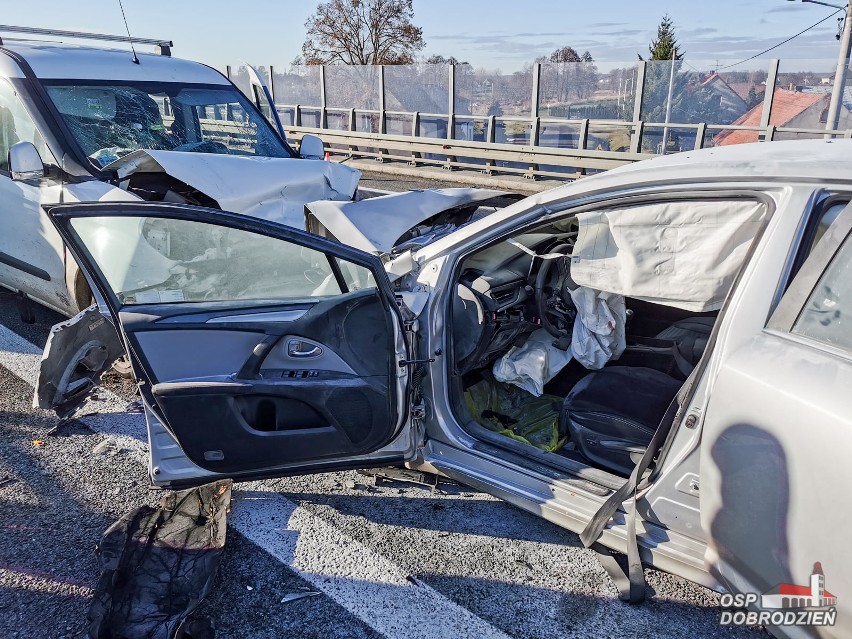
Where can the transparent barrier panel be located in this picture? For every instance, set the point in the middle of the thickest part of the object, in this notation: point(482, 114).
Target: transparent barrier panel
point(608, 137)
point(298, 85)
point(310, 117)
point(513, 132)
point(352, 87)
point(397, 124)
point(337, 120)
point(287, 115)
point(691, 92)
point(803, 99)
point(417, 87)
point(564, 135)
point(484, 92)
point(585, 90)
point(471, 129)
point(433, 126)
point(750, 85)
point(366, 121)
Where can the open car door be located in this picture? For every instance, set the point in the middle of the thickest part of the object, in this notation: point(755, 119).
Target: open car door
point(260, 350)
point(262, 98)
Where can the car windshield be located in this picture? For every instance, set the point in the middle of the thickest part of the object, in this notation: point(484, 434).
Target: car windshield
point(111, 119)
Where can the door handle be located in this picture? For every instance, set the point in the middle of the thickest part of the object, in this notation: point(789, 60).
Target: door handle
point(303, 350)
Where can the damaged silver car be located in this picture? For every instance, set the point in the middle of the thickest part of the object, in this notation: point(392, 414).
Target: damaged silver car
point(656, 357)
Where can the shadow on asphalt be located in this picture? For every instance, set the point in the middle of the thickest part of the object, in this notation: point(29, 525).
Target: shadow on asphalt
point(454, 515)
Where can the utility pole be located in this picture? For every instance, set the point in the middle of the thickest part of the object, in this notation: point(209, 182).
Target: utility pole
point(669, 102)
point(833, 119)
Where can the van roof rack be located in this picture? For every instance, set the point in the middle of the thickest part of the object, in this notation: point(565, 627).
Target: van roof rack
point(162, 46)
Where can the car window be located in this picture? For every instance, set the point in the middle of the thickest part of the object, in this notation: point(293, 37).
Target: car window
point(827, 216)
point(111, 119)
point(356, 277)
point(827, 315)
point(149, 260)
point(17, 126)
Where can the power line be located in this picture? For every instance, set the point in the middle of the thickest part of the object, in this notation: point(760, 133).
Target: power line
point(757, 55)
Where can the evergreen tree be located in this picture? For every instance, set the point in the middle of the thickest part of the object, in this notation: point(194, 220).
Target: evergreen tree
point(665, 45)
point(754, 98)
point(691, 102)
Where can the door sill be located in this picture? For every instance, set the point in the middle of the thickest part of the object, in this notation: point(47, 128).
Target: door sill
point(574, 469)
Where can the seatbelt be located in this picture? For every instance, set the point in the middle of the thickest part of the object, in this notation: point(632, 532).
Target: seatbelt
point(631, 584)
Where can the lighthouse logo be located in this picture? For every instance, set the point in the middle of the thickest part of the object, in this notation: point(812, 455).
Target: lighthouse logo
point(784, 605)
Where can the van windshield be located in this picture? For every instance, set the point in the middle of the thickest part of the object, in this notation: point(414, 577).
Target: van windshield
point(110, 119)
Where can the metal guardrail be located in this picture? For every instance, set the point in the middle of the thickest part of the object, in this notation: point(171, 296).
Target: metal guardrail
point(528, 160)
point(488, 157)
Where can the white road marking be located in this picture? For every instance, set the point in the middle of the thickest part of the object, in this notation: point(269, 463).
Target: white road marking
point(365, 583)
point(43, 582)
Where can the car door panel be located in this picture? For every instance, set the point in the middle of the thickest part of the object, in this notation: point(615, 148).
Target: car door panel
point(285, 409)
point(775, 448)
point(247, 387)
point(31, 251)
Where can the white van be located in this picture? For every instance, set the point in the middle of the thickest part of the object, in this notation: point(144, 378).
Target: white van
point(84, 124)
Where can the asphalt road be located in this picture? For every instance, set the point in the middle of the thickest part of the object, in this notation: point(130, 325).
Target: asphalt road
point(392, 560)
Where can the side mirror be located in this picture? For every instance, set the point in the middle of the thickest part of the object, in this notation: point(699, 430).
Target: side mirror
point(24, 162)
point(311, 148)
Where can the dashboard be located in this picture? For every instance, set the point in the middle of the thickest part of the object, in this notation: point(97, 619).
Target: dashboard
point(494, 307)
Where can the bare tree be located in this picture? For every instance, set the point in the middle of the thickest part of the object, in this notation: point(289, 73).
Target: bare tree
point(362, 32)
point(569, 76)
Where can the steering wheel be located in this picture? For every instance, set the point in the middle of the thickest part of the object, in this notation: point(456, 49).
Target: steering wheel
point(553, 286)
point(204, 146)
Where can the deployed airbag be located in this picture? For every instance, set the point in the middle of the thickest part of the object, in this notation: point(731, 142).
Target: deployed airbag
point(683, 253)
point(599, 328)
point(533, 364)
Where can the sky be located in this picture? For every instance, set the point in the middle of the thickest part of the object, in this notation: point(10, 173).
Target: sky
point(495, 34)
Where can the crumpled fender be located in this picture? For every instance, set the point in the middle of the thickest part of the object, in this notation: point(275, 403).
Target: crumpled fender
point(77, 353)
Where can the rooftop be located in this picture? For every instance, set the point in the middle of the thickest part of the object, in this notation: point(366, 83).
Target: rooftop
point(786, 105)
point(59, 60)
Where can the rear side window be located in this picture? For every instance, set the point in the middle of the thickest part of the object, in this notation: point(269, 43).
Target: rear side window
point(827, 315)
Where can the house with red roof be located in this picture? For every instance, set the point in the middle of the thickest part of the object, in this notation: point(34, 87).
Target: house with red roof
point(793, 596)
point(731, 103)
point(794, 109)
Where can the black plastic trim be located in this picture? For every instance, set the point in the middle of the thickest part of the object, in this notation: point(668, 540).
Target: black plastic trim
point(20, 265)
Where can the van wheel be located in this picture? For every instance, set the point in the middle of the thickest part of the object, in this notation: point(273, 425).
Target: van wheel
point(25, 308)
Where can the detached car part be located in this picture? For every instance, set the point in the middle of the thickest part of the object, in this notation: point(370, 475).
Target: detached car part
point(78, 351)
point(158, 564)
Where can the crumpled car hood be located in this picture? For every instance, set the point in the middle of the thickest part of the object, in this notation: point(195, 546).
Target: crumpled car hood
point(274, 189)
point(374, 225)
